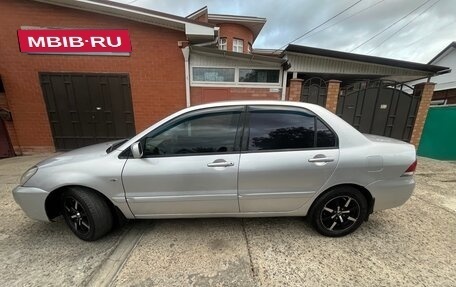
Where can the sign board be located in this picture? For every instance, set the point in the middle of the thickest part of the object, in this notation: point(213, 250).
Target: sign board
point(74, 41)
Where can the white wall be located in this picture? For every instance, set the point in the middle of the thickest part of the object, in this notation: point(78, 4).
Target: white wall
point(446, 81)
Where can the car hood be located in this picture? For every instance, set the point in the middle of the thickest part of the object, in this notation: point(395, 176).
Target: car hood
point(78, 155)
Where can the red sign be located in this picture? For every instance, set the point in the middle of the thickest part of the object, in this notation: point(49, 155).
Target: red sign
point(74, 41)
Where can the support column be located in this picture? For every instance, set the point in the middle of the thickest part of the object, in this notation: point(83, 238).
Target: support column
point(332, 95)
point(294, 93)
point(426, 90)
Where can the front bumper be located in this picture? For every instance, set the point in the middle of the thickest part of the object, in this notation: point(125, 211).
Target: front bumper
point(391, 193)
point(32, 201)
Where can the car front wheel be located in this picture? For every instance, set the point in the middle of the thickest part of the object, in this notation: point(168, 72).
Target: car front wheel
point(86, 213)
point(338, 212)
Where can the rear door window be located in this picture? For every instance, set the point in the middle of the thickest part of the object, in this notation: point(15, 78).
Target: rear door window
point(283, 129)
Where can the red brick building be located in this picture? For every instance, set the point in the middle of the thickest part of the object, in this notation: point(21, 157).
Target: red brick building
point(62, 101)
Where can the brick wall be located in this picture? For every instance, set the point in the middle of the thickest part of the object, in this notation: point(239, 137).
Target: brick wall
point(449, 95)
point(230, 31)
point(156, 68)
point(202, 95)
point(10, 127)
point(427, 90)
point(332, 95)
point(202, 18)
point(294, 91)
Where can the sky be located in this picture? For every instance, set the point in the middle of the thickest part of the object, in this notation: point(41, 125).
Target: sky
point(423, 28)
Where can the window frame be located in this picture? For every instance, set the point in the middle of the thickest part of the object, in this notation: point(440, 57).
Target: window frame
point(258, 83)
point(181, 118)
point(236, 82)
point(246, 129)
point(213, 82)
point(223, 44)
point(234, 45)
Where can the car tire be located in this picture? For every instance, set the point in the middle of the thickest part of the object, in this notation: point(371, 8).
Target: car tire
point(339, 211)
point(86, 213)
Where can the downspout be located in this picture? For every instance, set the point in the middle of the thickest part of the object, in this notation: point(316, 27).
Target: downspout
point(285, 66)
point(186, 53)
point(284, 84)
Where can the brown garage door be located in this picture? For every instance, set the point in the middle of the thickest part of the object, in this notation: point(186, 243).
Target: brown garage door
point(85, 109)
point(6, 149)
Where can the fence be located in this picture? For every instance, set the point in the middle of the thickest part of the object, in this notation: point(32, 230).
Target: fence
point(439, 134)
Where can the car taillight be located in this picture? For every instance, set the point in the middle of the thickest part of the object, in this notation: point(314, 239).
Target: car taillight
point(411, 169)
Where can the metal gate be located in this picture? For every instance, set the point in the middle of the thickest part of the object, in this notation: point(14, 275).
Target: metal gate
point(85, 109)
point(314, 91)
point(378, 107)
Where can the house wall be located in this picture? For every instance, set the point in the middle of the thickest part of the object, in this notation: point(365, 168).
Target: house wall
point(155, 67)
point(203, 95)
point(446, 81)
point(448, 95)
point(205, 92)
point(231, 31)
point(219, 61)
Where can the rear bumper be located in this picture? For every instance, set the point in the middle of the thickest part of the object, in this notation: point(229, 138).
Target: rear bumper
point(391, 193)
point(32, 201)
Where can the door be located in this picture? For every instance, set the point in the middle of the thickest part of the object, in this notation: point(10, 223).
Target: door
point(189, 166)
point(6, 150)
point(85, 109)
point(284, 162)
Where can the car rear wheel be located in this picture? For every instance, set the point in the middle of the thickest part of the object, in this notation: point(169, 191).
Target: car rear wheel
point(86, 213)
point(339, 211)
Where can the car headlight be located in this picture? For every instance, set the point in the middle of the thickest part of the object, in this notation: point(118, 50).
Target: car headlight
point(28, 174)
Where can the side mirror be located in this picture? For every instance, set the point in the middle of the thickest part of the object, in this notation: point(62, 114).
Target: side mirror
point(136, 150)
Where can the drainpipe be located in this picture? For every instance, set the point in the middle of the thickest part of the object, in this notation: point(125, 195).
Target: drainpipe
point(186, 53)
point(284, 84)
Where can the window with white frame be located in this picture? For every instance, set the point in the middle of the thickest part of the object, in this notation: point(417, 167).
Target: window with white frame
point(233, 76)
point(238, 45)
point(222, 44)
point(205, 74)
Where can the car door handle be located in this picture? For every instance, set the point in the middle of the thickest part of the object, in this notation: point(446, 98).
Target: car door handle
point(321, 159)
point(220, 164)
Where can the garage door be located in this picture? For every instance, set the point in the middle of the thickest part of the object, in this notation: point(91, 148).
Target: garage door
point(383, 108)
point(6, 149)
point(85, 109)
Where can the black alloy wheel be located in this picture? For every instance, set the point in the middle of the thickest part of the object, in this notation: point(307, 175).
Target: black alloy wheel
point(339, 211)
point(86, 213)
point(76, 214)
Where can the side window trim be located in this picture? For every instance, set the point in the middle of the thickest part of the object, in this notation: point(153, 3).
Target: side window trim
point(246, 133)
point(175, 121)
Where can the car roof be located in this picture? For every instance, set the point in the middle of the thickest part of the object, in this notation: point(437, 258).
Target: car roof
point(253, 103)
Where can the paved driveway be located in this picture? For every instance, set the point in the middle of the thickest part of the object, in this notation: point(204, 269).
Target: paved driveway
point(414, 245)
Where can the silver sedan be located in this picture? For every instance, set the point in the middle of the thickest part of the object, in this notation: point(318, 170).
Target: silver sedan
point(230, 159)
